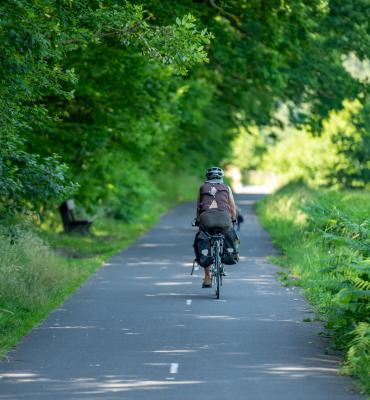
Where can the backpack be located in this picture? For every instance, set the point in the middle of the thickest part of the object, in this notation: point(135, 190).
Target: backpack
point(230, 254)
point(202, 249)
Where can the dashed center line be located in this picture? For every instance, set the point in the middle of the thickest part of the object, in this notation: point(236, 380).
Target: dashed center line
point(188, 302)
point(174, 368)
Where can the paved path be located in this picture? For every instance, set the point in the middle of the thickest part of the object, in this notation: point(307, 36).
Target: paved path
point(142, 328)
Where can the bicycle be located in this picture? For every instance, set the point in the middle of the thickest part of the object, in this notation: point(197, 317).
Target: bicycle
point(216, 239)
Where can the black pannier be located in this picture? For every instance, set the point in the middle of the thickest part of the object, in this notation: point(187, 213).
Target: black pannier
point(202, 249)
point(230, 254)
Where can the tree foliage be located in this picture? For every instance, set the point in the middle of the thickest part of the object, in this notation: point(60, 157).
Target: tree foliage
point(107, 93)
point(338, 157)
point(64, 66)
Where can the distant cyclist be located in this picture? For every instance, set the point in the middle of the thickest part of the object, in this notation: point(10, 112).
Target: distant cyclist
point(215, 208)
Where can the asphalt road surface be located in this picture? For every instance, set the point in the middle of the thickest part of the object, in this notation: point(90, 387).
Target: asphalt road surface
point(143, 328)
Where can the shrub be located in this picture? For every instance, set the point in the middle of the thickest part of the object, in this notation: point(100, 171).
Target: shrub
point(31, 274)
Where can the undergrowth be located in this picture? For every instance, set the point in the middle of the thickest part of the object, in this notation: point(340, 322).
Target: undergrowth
point(325, 240)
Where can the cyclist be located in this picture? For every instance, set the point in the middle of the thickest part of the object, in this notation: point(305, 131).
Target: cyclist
point(215, 208)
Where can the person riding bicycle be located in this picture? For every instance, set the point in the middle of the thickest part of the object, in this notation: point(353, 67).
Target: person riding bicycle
point(215, 208)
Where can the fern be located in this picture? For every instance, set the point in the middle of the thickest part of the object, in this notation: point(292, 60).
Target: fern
point(359, 354)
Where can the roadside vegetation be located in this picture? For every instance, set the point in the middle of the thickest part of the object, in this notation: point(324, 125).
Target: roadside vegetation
point(324, 237)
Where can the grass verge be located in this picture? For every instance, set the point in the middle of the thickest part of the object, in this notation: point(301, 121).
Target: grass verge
point(41, 267)
point(325, 243)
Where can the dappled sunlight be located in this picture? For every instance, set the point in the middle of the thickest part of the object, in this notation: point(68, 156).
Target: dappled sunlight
point(173, 283)
point(91, 386)
point(292, 369)
point(279, 320)
point(56, 326)
point(262, 260)
point(139, 263)
point(218, 317)
point(174, 351)
point(122, 385)
point(142, 277)
point(106, 385)
point(257, 281)
point(23, 377)
point(157, 364)
point(157, 245)
point(143, 384)
point(188, 264)
point(19, 375)
point(284, 372)
point(262, 284)
point(327, 359)
point(267, 293)
point(174, 275)
point(162, 294)
point(179, 295)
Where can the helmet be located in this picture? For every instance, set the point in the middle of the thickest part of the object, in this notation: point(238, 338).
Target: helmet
point(214, 173)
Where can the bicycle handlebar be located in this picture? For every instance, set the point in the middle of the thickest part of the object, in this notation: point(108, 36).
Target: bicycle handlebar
point(194, 222)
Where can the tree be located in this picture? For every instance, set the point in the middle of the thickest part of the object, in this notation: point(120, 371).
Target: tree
point(38, 41)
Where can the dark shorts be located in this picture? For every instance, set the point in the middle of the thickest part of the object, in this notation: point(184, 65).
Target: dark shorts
point(215, 219)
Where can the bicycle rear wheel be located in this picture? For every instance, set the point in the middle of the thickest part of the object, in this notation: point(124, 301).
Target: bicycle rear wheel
point(217, 270)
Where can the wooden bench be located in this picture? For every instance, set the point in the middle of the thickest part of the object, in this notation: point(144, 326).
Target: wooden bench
point(70, 223)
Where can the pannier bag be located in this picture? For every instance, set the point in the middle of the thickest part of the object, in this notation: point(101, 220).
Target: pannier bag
point(230, 254)
point(202, 249)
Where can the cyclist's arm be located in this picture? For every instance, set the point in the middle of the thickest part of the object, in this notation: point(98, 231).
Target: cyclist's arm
point(232, 205)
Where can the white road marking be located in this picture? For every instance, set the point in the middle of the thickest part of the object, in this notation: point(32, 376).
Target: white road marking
point(174, 368)
point(188, 302)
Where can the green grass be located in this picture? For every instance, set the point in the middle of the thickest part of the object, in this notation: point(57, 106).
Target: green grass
point(325, 243)
point(43, 266)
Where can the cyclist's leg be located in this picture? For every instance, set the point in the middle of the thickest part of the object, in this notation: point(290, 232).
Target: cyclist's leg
point(204, 225)
point(207, 280)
